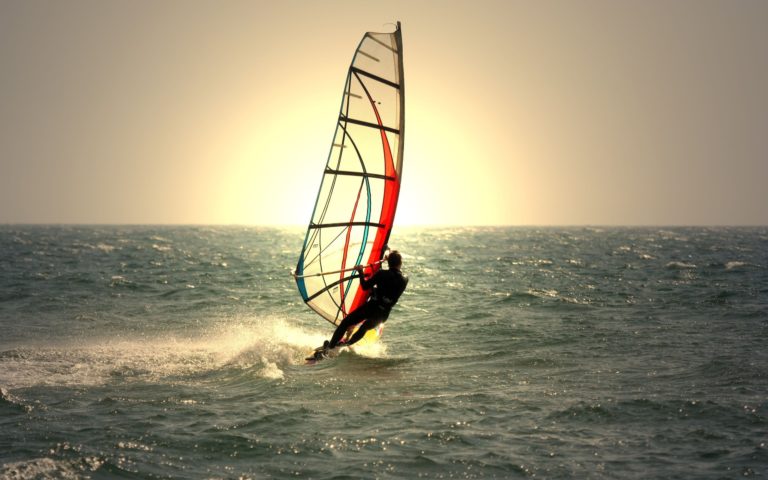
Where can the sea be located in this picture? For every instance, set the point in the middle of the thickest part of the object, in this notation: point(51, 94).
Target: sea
point(154, 352)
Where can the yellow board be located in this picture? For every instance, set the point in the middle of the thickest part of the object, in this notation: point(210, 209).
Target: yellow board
point(370, 336)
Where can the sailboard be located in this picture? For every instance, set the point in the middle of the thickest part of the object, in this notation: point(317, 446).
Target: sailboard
point(357, 200)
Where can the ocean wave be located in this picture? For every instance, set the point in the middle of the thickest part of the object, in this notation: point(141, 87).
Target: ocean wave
point(644, 410)
point(10, 295)
point(543, 293)
point(13, 402)
point(734, 265)
point(507, 297)
point(162, 248)
point(105, 247)
point(680, 266)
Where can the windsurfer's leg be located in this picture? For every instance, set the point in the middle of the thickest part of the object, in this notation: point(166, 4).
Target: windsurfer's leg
point(350, 320)
point(367, 325)
point(372, 322)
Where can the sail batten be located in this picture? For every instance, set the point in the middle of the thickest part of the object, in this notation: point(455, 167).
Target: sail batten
point(368, 55)
point(349, 224)
point(360, 184)
point(374, 77)
point(359, 174)
point(381, 43)
point(368, 124)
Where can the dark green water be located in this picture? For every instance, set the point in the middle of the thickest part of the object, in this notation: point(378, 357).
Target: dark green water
point(164, 352)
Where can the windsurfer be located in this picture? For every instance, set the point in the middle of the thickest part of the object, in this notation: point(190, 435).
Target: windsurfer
point(387, 286)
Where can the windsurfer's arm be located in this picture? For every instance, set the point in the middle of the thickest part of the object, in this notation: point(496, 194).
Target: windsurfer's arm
point(365, 283)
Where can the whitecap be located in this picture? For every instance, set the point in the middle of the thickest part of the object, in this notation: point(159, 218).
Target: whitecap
point(7, 397)
point(734, 264)
point(543, 293)
point(44, 468)
point(105, 247)
point(271, 370)
point(680, 265)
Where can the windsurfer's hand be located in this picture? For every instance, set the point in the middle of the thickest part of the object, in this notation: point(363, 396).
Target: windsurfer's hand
point(359, 269)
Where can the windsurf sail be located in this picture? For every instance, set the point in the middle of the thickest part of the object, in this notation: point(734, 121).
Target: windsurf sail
point(357, 200)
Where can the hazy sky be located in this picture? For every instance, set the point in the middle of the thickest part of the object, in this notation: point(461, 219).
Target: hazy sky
point(573, 112)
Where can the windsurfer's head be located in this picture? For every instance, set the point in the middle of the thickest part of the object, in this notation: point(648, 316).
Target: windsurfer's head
point(394, 259)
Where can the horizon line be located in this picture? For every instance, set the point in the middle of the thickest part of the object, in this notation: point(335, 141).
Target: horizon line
point(434, 225)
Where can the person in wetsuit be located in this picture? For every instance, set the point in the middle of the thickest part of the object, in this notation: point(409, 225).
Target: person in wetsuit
point(387, 286)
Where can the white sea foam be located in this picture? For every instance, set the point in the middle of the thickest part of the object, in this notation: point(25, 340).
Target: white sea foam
point(265, 345)
point(551, 293)
point(371, 350)
point(105, 247)
point(732, 265)
point(271, 370)
point(680, 265)
point(6, 396)
point(48, 468)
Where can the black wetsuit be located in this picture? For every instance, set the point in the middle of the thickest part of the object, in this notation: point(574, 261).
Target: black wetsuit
point(387, 285)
